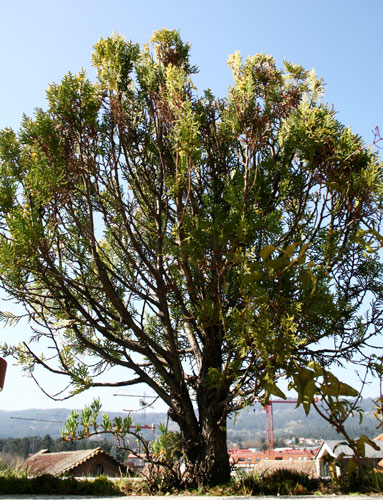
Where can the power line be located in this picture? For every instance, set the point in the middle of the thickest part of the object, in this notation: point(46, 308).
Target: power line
point(38, 420)
point(136, 396)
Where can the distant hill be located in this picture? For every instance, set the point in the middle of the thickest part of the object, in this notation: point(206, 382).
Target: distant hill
point(38, 422)
point(248, 424)
point(292, 421)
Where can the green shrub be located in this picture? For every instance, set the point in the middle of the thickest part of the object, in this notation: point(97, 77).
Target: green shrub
point(280, 482)
point(16, 482)
point(365, 480)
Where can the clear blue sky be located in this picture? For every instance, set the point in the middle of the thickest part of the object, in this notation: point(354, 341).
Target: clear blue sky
point(42, 40)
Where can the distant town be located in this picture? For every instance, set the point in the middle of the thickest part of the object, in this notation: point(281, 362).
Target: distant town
point(26, 432)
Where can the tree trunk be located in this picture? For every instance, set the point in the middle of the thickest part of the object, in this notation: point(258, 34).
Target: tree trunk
point(204, 434)
point(211, 456)
point(207, 459)
point(215, 452)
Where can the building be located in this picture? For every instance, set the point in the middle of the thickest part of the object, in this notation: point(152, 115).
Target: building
point(340, 450)
point(246, 459)
point(136, 463)
point(74, 463)
point(298, 459)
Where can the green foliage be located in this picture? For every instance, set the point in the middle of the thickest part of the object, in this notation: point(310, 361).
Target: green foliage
point(17, 482)
point(87, 424)
point(168, 445)
point(114, 59)
point(358, 479)
point(279, 482)
point(164, 454)
point(372, 482)
point(170, 50)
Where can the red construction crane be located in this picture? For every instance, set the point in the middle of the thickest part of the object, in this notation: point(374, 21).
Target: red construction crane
point(270, 424)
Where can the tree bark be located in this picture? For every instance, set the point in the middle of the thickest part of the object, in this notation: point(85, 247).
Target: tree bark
point(207, 458)
point(204, 435)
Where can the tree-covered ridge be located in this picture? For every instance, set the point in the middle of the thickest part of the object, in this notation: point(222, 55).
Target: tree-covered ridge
point(248, 424)
point(208, 245)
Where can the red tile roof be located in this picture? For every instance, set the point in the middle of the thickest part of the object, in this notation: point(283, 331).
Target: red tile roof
point(252, 457)
point(62, 462)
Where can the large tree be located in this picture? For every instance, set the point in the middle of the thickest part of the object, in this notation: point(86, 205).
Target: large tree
point(210, 246)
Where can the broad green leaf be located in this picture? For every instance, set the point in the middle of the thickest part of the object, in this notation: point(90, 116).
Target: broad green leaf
point(291, 248)
point(267, 251)
point(272, 389)
point(309, 391)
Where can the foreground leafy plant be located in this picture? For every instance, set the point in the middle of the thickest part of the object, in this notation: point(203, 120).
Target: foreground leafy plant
point(279, 482)
point(163, 456)
point(16, 481)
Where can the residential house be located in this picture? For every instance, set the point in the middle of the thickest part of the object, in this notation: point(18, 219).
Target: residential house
point(136, 463)
point(74, 463)
point(340, 450)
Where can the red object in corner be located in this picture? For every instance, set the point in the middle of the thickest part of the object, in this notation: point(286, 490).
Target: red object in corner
point(3, 369)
